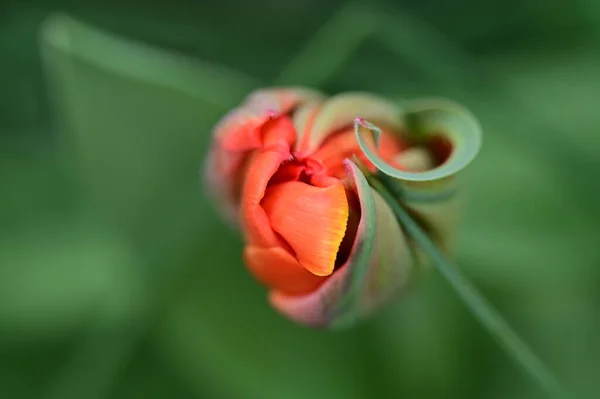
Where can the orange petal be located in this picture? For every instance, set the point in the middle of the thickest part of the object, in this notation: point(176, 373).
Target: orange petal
point(377, 269)
point(339, 112)
point(278, 269)
point(336, 148)
point(261, 167)
point(244, 129)
point(239, 130)
point(311, 219)
point(277, 131)
point(343, 145)
point(256, 223)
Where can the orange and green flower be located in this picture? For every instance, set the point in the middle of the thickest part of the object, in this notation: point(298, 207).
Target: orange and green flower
point(288, 167)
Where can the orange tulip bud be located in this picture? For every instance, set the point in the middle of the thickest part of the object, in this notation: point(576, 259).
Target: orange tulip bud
point(325, 244)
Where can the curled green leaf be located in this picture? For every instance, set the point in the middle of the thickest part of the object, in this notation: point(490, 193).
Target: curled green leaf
point(423, 120)
point(425, 186)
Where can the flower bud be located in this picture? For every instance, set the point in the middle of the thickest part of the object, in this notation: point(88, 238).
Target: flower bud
point(287, 167)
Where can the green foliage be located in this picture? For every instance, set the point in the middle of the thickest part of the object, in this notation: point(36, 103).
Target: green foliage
point(118, 280)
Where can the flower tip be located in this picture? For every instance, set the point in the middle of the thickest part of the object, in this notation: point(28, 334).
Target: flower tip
point(349, 165)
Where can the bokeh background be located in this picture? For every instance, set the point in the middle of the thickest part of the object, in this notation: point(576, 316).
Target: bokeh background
point(118, 280)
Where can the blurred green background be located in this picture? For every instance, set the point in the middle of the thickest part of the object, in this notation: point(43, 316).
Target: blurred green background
point(118, 280)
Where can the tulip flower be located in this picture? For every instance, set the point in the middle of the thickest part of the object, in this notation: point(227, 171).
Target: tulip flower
point(289, 168)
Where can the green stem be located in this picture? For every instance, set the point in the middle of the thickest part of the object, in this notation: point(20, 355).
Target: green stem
point(489, 317)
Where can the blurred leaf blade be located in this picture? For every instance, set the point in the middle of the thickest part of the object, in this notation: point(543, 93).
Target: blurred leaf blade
point(137, 120)
point(327, 51)
point(213, 84)
point(134, 136)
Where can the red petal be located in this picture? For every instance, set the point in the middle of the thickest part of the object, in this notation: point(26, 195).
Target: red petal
point(278, 134)
point(256, 223)
point(241, 129)
point(343, 145)
point(380, 260)
point(312, 220)
point(278, 269)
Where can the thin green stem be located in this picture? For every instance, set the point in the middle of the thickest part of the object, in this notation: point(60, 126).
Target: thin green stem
point(489, 317)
